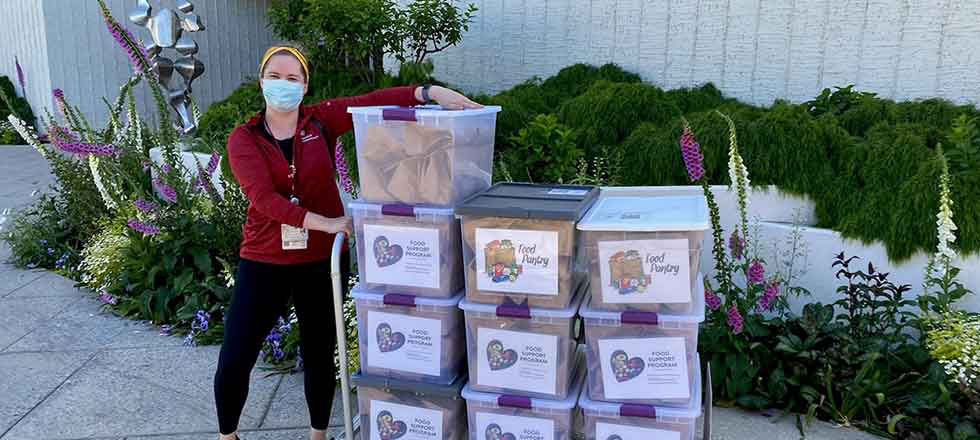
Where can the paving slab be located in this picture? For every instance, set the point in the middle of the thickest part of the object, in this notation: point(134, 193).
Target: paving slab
point(13, 279)
point(140, 392)
point(48, 284)
point(83, 325)
point(20, 316)
point(27, 378)
point(289, 405)
point(735, 424)
point(271, 434)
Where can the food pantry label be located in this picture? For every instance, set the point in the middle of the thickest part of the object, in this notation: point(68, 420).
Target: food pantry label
point(517, 261)
point(608, 431)
point(402, 256)
point(654, 368)
point(404, 343)
point(645, 271)
point(500, 427)
point(517, 361)
point(391, 421)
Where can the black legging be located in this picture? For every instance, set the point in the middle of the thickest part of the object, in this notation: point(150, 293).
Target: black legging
point(262, 293)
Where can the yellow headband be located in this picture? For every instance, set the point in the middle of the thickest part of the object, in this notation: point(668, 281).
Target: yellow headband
point(276, 49)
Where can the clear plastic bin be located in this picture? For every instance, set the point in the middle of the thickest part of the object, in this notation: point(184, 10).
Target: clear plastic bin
point(519, 243)
point(408, 249)
point(410, 338)
point(424, 155)
point(392, 409)
point(508, 417)
point(515, 349)
point(642, 357)
point(616, 421)
point(644, 252)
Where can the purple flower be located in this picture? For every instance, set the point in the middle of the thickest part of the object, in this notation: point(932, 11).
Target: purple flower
point(20, 76)
point(189, 339)
point(342, 171)
point(136, 52)
point(214, 162)
point(85, 149)
point(107, 298)
point(58, 94)
point(145, 228)
point(202, 178)
point(757, 273)
point(200, 321)
point(165, 330)
point(735, 320)
point(770, 294)
point(166, 191)
point(691, 151)
point(736, 245)
point(145, 206)
point(711, 299)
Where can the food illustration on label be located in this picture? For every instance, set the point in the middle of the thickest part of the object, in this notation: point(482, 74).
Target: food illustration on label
point(501, 259)
point(385, 253)
point(626, 368)
point(626, 270)
point(499, 358)
point(494, 432)
point(389, 341)
point(389, 428)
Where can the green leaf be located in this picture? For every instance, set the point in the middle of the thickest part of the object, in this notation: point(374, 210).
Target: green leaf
point(202, 259)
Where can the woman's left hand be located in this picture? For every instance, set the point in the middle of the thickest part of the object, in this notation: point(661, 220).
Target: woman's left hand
point(451, 99)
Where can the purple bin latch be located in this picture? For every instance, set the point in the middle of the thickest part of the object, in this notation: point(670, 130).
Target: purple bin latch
point(399, 209)
point(514, 311)
point(511, 401)
point(398, 114)
point(637, 410)
point(637, 317)
point(398, 299)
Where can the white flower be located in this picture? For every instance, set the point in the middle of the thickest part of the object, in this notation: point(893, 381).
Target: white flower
point(28, 134)
point(93, 164)
point(738, 174)
point(944, 219)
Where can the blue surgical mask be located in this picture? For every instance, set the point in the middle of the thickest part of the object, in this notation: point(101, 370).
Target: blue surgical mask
point(281, 95)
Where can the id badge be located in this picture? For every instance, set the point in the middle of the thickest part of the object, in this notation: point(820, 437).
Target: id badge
point(294, 238)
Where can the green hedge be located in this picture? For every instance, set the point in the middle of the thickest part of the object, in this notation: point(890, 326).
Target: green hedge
point(20, 106)
point(868, 165)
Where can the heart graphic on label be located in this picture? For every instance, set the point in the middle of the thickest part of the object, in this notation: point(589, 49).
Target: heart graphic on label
point(614, 437)
point(388, 340)
point(494, 432)
point(624, 367)
point(389, 428)
point(499, 358)
point(385, 253)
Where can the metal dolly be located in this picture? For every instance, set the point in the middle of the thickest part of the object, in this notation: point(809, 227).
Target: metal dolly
point(351, 425)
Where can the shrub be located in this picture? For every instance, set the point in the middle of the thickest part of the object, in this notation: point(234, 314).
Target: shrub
point(44, 236)
point(544, 151)
point(11, 103)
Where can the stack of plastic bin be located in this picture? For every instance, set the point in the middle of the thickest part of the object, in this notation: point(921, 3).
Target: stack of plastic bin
point(523, 293)
point(415, 165)
point(641, 322)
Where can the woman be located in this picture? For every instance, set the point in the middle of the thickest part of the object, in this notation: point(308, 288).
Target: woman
point(283, 159)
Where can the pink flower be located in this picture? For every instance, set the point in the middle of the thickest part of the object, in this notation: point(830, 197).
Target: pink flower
point(735, 320)
point(203, 179)
point(107, 298)
point(691, 151)
point(166, 191)
point(20, 76)
point(145, 228)
point(342, 171)
point(711, 299)
point(736, 245)
point(770, 294)
point(145, 206)
point(214, 162)
point(757, 273)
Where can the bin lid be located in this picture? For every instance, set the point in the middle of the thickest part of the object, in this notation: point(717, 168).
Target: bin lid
point(386, 383)
point(524, 311)
point(395, 112)
point(693, 411)
point(359, 291)
point(653, 318)
point(647, 214)
point(509, 400)
point(399, 208)
point(529, 200)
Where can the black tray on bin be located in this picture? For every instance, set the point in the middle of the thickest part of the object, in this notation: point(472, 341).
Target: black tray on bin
point(531, 200)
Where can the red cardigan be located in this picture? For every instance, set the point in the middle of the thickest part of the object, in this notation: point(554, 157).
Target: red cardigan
point(263, 172)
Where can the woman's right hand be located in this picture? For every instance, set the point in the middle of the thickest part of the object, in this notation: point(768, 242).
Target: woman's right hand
point(334, 225)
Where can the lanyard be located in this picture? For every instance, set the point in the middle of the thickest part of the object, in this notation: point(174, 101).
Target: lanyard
point(292, 165)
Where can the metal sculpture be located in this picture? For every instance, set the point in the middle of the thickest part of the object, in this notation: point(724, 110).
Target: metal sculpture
point(169, 29)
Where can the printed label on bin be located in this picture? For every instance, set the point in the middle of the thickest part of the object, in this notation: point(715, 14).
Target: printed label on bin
point(404, 343)
point(517, 360)
point(652, 368)
point(490, 426)
point(402, 256)
point(645, 271)
point(568, 192)
point(608, 431)
point(517, 261)
point(391, 421)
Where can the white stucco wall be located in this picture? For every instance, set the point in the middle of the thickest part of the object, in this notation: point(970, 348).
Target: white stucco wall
point(775, 213)
point(22, 31)
point(753, 50)
point(72, 49)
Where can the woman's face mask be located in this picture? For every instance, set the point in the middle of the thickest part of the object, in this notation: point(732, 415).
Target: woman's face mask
point(282, 95)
